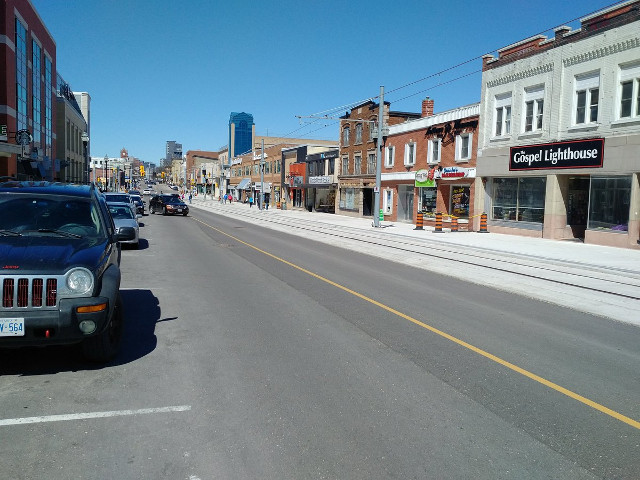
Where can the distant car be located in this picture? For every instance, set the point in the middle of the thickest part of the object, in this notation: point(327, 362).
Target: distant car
point(115, 197)
point(146, 191)
point(137, 199)
point(133, 192)
point(168, 205)
point(174, 187)
point(124, 216)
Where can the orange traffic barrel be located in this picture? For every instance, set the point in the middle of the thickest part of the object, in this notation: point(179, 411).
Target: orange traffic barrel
point(419, 221)
point(454, 224)
point(438, 228)
point(483, 223)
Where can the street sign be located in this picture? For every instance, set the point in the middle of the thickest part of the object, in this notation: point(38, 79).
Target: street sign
point(3, 133)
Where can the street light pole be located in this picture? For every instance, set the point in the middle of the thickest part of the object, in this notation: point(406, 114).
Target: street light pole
point(376, 202)
point(262, 176)
point(85, 141)
point(105, 169)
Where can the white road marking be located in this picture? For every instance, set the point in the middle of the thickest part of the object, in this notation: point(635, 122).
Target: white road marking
point(84, 416)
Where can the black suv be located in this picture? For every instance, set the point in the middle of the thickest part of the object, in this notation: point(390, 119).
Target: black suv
point(60, 268)
point(168, 205)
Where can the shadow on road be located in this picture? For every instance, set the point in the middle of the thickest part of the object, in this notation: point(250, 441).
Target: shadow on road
point(142, 312)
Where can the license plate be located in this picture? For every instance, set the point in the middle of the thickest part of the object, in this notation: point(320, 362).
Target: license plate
point(179, 210)
point(11, 327)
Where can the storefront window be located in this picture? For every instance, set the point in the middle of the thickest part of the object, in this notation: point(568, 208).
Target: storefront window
point(609, 203)
point(519, 199)
point(348, 198)
point(428, 197)
point(460, 201)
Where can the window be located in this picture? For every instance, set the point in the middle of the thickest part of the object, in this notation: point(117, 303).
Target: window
point(345, 165)
point(433, 152)
point(48, 115)
point(387, 203)
point(373, 129)
point(519, 199)
point(630, 91)
point(390, 156)
point(348, 198)
point(410, 154)
point(463, 147)
point(609, 203)
point(357, 165)
point(372, 164)
point(428, 197)
point(21, 75)
point(533, 108)
point(36, 90)
point(587, 92)
point(358, 133)
point(503, 115)
point(345, 136)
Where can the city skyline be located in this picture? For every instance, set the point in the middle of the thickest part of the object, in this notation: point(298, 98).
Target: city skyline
point(149, 83)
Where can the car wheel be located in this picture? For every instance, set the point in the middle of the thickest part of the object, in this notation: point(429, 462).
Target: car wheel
point(184, 214)
point(152, 210)
point(164, 210)
point(104, 346)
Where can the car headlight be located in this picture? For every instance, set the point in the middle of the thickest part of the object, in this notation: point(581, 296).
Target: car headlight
point(79, 281)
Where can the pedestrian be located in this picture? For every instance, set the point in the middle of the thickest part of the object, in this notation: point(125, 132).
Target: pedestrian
point(250, 201)
point(230, 197)
point(225, 198)
point(190, 197)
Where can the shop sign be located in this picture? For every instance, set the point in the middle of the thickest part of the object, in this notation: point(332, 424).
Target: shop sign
point(455, 173)
point(576, 154)
point(425, 178)
point(3, 133)
point(320, 180)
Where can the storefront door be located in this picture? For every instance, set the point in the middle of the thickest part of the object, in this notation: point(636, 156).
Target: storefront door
point(577, 205)
point(405, 203)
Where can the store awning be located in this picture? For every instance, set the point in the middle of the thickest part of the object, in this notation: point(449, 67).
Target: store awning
point(244, 184)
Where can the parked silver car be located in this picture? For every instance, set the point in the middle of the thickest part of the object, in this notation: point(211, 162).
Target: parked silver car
point(124, 215)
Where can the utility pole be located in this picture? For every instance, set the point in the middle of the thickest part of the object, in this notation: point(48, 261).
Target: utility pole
point(376, 201)
point(262, 176)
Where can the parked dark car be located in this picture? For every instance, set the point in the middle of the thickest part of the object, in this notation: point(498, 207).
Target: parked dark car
point(60, 270)
point(168, 205)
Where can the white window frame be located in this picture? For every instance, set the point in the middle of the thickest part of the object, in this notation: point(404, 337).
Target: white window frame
point(372, 166)
point(410, 160)
point(459, 144)
point(588, 85)
point(533, 97)
point(390, 156)
point(358, 138)
point(431, 160)
point(357, 164)
point(345, 136)
point(630, 73)
point(387, 201)
point(344, 167)
point(502, 115)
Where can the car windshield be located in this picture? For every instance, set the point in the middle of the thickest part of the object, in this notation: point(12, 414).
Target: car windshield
point(118, 198)
point(49, 214)
point(172, 199)
point(120, 212)
point(136, 198)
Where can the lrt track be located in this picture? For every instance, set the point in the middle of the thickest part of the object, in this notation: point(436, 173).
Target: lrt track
point(618, 282)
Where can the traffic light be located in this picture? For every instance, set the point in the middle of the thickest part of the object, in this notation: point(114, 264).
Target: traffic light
point(142, 170)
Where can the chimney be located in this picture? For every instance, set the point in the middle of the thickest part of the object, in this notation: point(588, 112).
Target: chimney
point(427, 107)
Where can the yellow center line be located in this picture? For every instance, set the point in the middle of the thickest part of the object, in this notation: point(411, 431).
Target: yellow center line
point(479, 351)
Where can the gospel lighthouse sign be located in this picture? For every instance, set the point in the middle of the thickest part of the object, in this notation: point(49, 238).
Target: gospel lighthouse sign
point(576, 154)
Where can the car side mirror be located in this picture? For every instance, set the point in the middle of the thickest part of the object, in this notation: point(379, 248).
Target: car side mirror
point(125, 233)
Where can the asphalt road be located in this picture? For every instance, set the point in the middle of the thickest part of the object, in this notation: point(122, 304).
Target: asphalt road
point(253, 354)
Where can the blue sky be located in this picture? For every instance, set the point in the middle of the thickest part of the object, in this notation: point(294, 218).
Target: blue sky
point(161, 70)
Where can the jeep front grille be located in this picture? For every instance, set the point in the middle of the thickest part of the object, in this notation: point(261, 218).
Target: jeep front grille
point(23, 292)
